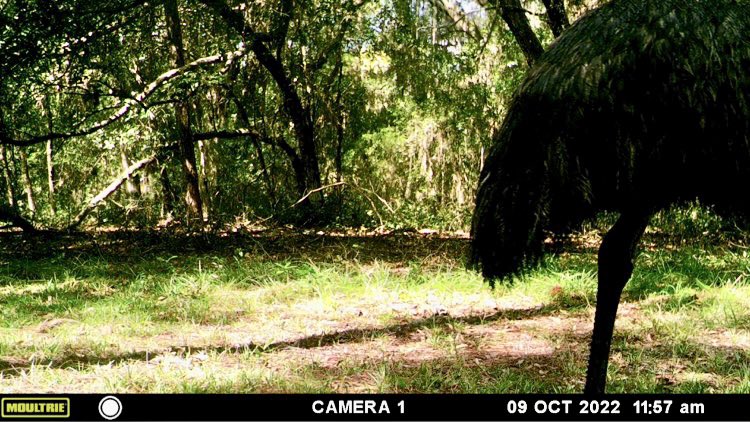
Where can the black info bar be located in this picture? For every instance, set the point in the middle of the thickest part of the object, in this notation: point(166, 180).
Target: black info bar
point(208, 407)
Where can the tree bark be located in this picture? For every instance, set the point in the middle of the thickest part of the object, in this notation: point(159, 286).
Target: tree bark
point(168, 196)
point(50, 163)
point(515, 16)
point(183, 116)
point(214, 116)
point(27, 186)
point(340, 126)
point(557, 16)
point(245, 119)
point(51, 178)
point(7, 174)
point(204, 177)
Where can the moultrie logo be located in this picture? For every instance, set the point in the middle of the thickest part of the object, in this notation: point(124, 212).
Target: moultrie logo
point(35, 407)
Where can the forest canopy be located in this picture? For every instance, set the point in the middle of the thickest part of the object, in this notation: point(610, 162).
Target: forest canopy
point(354, 112)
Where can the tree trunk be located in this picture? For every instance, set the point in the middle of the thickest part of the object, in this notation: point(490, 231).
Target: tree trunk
point(264, 168)
point(340, 126)
point(245, 119)
point(27, 186)
point(305, 133)
point(132, 184)
point(558, 18)
point(168, 196)
point(339, 160)
point(7, 174)
point(300, 115)
point(109, 190)
point(183, 117)
point(51, 179)
point(515, 16)
point(214, 114)
point(50, 162)
point(204, 178)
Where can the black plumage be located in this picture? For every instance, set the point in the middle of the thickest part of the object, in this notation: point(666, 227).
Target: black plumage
point(639, 105)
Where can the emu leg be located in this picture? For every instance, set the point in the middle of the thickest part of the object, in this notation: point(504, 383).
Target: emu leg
point(616, 256)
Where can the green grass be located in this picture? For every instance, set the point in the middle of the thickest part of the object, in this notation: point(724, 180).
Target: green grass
point(393, 314)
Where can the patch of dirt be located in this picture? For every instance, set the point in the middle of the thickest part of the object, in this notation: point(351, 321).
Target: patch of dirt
point(725, 339)
point(410, 353)
point(532, 341)
point(475, 329)
point(697, 377)
point(49, 324)
point(496, 341)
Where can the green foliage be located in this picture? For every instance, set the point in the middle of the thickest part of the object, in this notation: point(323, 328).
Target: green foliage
point(393, 88)
point(692, 221)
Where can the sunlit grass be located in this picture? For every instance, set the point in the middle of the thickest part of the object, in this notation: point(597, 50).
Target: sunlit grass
point(234, 322)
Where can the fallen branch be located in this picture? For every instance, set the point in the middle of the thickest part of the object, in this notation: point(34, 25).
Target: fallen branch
point(354, 186)
point(109, 190)
point(307, 195)
point(387, 205)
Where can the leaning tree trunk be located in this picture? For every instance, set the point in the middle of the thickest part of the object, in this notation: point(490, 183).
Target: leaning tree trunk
point(183, 117)
point(109, 190)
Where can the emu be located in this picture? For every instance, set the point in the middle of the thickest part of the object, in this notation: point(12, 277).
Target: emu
point(639, 105)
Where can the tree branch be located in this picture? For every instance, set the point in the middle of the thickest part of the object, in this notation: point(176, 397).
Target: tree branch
point(109, 190)
point(150, 89)
point(307, 195)
point(291, 100)
point(514, 15)
point(557, 16)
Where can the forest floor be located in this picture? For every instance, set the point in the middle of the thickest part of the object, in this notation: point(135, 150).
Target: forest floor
point(285, 311)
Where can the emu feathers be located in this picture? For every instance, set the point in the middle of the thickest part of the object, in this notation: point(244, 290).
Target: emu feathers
point(639, 105)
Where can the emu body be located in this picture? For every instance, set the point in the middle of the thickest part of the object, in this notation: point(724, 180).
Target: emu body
point(639, 105)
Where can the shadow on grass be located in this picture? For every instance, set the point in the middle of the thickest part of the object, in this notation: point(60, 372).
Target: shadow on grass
point(642, 366)
point(288, 243)
point(74, 359)
point(121, 255)
point(661, 368)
